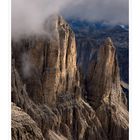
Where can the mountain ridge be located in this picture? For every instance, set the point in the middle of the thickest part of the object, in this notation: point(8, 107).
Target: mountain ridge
point(47, 85)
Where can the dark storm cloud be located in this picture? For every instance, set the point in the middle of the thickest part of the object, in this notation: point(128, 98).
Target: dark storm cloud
point(29, 15)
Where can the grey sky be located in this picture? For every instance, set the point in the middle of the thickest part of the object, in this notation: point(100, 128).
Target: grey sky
point(29, 15)
point(114, 11)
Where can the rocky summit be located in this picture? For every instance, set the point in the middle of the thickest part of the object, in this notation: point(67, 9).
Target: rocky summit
point(52, 99)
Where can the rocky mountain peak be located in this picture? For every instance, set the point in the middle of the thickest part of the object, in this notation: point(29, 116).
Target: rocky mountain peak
point(48, 62)
point(46, 84)
point(108, 42)
point(104, 89)
point(104, 73)
point(53, 24)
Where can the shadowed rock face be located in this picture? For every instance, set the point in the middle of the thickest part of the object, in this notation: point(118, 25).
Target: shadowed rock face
point(48, 62)
point(104, 77)
point(46, 85)
point(105, 93)
point(90, 34)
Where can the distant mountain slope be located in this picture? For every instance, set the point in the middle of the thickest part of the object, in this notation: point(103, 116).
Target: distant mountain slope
point(89, 36)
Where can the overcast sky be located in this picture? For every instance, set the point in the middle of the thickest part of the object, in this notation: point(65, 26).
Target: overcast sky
point(114, 11)
point(28, 15)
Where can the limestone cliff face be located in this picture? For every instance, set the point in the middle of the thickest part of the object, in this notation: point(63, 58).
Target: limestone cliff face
point(104, 77)
point(46, 85)
point(48, 62)
point(71, 119)
point(105, 93)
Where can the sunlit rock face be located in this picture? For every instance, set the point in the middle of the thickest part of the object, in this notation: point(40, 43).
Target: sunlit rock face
point(48, 62)
point(46, 84)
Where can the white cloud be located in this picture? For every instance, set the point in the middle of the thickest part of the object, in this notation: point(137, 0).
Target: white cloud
point(29, 15)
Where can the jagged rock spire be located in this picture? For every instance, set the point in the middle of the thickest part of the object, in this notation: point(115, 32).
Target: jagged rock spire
point(104, 73)
point(45, 84)
point(104, 92)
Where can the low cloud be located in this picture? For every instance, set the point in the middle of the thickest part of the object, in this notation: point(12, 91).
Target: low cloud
point(28, 16)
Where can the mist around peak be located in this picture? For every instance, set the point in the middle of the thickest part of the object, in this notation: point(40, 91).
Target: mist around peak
point(28, 16)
